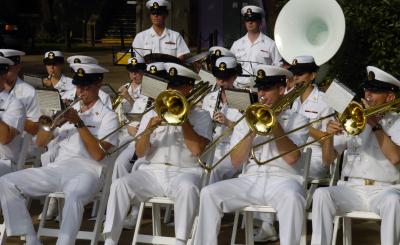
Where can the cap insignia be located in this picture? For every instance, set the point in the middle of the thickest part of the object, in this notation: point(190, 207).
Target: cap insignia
point(222, 66)
point(260, 74)
point(371, 76)
point(153, 69)
point(217, 52)
point(80, 72)
point(77, 60)
point(133, 61)
point(155, 5)
point(294, 62)
point(172, 71)
point(249, 11)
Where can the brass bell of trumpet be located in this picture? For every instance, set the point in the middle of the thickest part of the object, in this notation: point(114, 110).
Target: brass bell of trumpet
point(48, 124)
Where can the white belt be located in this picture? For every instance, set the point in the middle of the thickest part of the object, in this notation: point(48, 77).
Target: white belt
point(362, 181)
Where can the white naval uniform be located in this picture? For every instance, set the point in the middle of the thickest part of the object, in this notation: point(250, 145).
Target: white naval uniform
point(74, 172)
point(263, 51)
point(170, 42)
point(64, 84)
point(277, 184)
point(314, 107)
point(123, 166)
point(13, 114)
point(179, 179)
point(364, 160)
point(26, 94)
point(104, 97)
point(225, 170)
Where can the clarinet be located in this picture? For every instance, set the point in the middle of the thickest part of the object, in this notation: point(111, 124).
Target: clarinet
point(217, 108)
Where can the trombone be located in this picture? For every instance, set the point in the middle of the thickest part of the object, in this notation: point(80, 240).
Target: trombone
point(260, 118)
point(49, 123)
point(353, 120)
point(171, 106)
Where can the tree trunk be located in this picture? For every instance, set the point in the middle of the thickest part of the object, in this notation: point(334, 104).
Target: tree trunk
point(271, 15)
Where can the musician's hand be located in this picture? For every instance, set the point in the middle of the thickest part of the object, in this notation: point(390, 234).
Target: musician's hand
point(123, 91)
point(47, 82)
point(72, 116)
point(334, 127)
point(132, 130)
point(219, 117)
point(372, 120)
point(67, 102)
point(154, 122)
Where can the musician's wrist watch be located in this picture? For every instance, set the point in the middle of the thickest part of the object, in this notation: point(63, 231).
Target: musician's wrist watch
point(377, 127)
point(80, 124)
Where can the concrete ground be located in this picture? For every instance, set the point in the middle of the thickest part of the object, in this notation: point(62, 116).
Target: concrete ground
point(363, 232)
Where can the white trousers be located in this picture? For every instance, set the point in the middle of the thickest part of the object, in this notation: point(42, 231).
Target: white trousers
point(284, 194)
point(5, 167)
point(150, 180)
point(78, 183)
point(122, 165)
point(347, 196)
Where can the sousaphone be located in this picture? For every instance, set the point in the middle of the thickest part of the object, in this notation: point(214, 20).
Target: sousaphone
point(310, 27)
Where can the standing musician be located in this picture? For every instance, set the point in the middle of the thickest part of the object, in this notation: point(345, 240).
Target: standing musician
point(254, 46)
point(225, 70)
point(12, 116)
point(158, 38)
point(77, 168)
point(54, 62)
point(370, 174)
point(71, 94)
point(170, 164)
point(24, 92)
point(311, 105)
point(276, 184)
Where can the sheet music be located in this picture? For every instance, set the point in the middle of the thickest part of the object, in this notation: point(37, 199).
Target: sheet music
point(34, 80)
point(338, 96)
point(238, 98)
point(106, 88)
point(153, 86)
point(207, 77)
point(49, 100)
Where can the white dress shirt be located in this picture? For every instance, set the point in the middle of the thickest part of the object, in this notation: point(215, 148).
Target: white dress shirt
point(170, 42)
point(168, 144)
point(26, 94)
point(13, 114)
point(288, 120)
point(365, 158)
point(100, 121)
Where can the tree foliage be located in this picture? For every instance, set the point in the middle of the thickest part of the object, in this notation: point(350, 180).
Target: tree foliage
point(372, 38)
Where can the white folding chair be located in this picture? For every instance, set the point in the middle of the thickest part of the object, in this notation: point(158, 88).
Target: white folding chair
point(156, 237)
point(94, 235)
point(249, 210)
point(20, 162)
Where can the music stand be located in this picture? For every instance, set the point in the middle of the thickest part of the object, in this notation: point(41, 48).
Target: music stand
point(49, 101)
point(152, 86)
point(35, 81)
point(240, 98)
point(106, 88)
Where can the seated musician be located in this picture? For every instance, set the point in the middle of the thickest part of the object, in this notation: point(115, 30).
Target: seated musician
point(54, 62)
point(276, 184)
point(12, 116)
point(77, 168)
point(24, 92)
point(171, 170)
point(127, 158)
point(370, 174)
point(70, 95)
point(225, 70)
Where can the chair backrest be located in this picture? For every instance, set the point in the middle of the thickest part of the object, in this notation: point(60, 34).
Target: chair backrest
point(306, 162)
point(26, 141)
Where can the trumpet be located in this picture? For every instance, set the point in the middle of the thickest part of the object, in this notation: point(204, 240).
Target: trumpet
point(353, 120)
point(117, 100)
point(48, 124)
point(260, 118)
point(171, 106)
